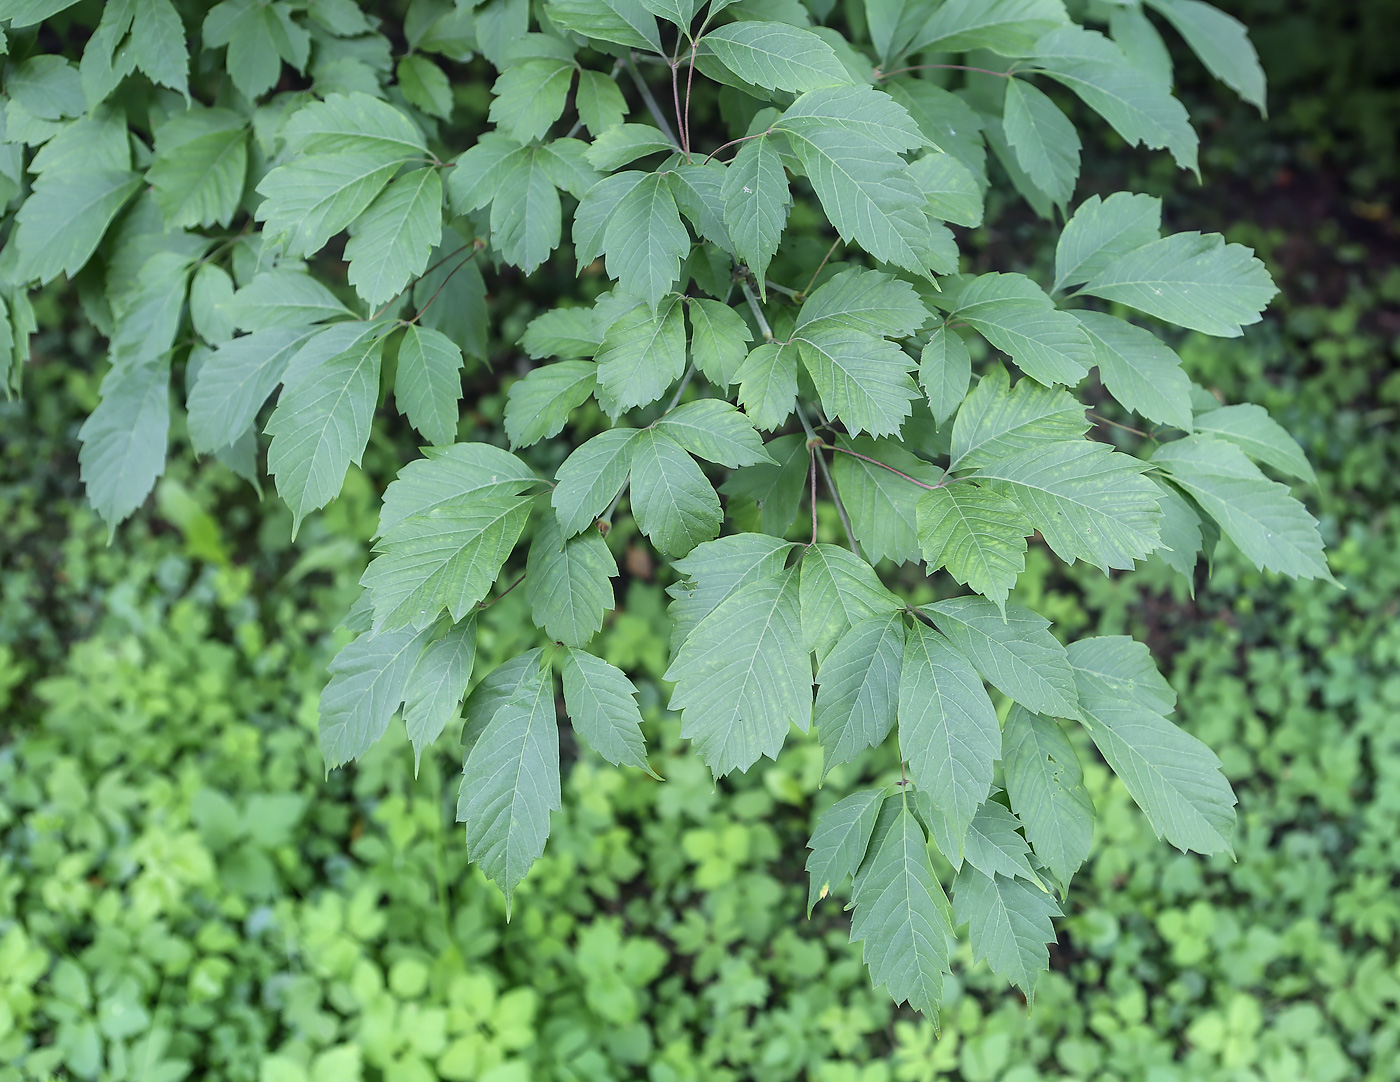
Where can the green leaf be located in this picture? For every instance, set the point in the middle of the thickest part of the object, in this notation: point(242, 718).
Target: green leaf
point(369, 679)
point(948, 730)
point(433, 694)
point(234, 382)
point(1101, 230)
point(1250, 428)
point(893, 24)
point(715, 431)
point(839, 842)
point(680, 12)
point(1045, 142)
point(591, 476)
point(428, 383)
point(978, 535)
point(511, 679)
point(672, 501)
point(510, 784)
point(951, 190)
point(1192, 280)
point(1272, 529)
point(882, 505)
point(719, 340)
point(599, 102)
point(425, 85)
point(259, 37)
point(452, 476)
point(211, 291)
point(1009, 924)
point(1181, 533)
point(322, 420)
point(22, 13)
point(158, 44)
point(1046, 787)
point(568, 582)
point(742, 675)
point(1139, 108)
point(393, 238)
point(945, 370)
point(286, 296)
point(446, 558)
point(699, 192)
point(862, 379)
point(994, 844)
point(200, 164)
point(1013, 650)
point(623, 22)
point(901, 914)
point(1016, 316)
point(316, 197)
point(645, 240)
point(865, 300)
point(1088, 501)
point(596, 209)
point(47, 87)
point(768, 384)
point(997, 420)
point(529, 97)
point(518, 183)
point(858, 688)
point(1170, 774)
point(756, 203)
point(1139, 369)
point(642, 354)
point(839, 590)
point(776, 56)
point(602, 705)
point(944, 119)
point(124, 438)
point(100, 140)
point(778, 490)
point(61, 223)
point(715, 571)
point(1222, 43)
point(626, 143)
point(538, 405)
point(1009, 27)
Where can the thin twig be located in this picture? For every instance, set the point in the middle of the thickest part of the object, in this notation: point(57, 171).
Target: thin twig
point(690, 82)
point(650, 101)
point(508, 589)
point(830, 484)
point(812, 468)
point(676, 98)
point(675, 398)
point(478, 243)
point(616, 71)
point(606, 516)
point(757, 313)
point(1119, 424)
point(877, 462)
point(941, 67)
point(820, 266)
point(429, 302)
point(735, 142)
point(784, 290)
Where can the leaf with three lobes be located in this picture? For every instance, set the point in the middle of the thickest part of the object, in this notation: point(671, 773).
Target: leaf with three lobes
point(715, 431)
point(642, 354)
point(1046, 787)
point(901, 913)
point(742, 676)
point(1089, 502)
point(538, 405)
point(323, 415)
point(591, 476)
point(858, 688)
point(428, 383)
point(369, 679)
point(1139, 369)
point(568, 582)
point(756, 203)
point(393, 238)
point(124, 439)
point(510, 784)
point(446, 558)
point(235, 380)
point(716, 570)
point(768, 384)
point(602, 705)
point(449, 476)
point(434, 691)
point(977, 534)
point(1013, 650)
point(719, 340)
point(673, 502)
point(838, 590)
point(839, 842)
point(1170, 774)
point(882, 504)
point(948, 729)
point(998, 420)
point(1010, 923)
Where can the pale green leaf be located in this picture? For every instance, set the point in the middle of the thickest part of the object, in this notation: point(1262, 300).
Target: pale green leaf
point(1222, 43)
point(699, 191)
point(1016, 316)
point(882, 505)
point(865, 300)
point(1250, 428)
point(623, 22)
point(200, 165)
point(756, 202)
point(124, 439)
point(425, 85)
point(1009, 924)
point(1009, 27)
point(316, 197)
point(778, 490)
point(22, 13)
point(211, 291)
point(719, 340)
point(1141, 371)
point(285, 296)
point(259, 37)
point(715, 431)
point(1046, 787)
point(945, 120)
point(369, 679)
point(354, 124)
point(945, 370)
point(858, 688)
point(591, 476)
point(538, 405)
point(839, 842)
point(46, 86)
point(893, 24)
point(776, 56)
point(450, 476)
point(158, 44)
point(673, 502)
point(642, 354)
point(716, 570)
point(596, 209)
point(626, 143)
point(602, 706)
point(428, 383)
point(768, 384)
point(392, 239)
point(1045, 142)
point(1181, 533)
point(235, 381)
point(951, 190)
point(994, 845)
point(1133, 32)
point(645, 240)
point(997, 420)
point(526, 220)
point(599, 102)
point(529, 97)
point(839, 590)
point(977, 535)
point(61, 223)
point(743, 677)
point(506, 681)
point(862, 379)
point(433, 695)
point(568, 582)
point(1101, 230)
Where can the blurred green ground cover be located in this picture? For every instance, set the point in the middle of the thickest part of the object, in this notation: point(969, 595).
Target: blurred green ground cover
point(184, 895)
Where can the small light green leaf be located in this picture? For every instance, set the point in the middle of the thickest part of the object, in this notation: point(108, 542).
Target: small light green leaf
point(1222, 43)
point(1046, 787)
point(997, 420)
point(568, 582)
point(158, 44)
point(1143, 373)
point(394, 236)
point(1181, 533)
point(719, 340)
point(715, 571)
point(425, 85)
point(858, 688)
point(538, 405)
point(776, 56)
point(1009, 27)
point(369, 679)
point(1250, 428)
point(1016, 316)
point(840, 839)
point(642, 354)
point(864, 300)
point(259, 37)
point(530, 96)
point(1260, 516)
point(316, 197)
point(211, 291)
point(1101, 230)
point(948, 730)
point(591, 476)
point(428, 383)
point(882, 504)
point(623, 22)
point(61, 223)
point(626, 143)
point(354, 124)
point(951, 190)
point(742, 676)
point(994, 844)
point(286, 296)
point(862, 379)
point(234, 382)
point(602, 705)
point(839, 590)
point(451, 476)
point(124, 439)
point(978, 535)
point(715, 431)
point(699, 191)
point(645, 240)
point(756, 202)
point(1010, 923)
point(1045, 142)
point(768, 384)
point(945, 370)
point(599, 102)
point(200, 165)
point(434, 691)
point(673, 502)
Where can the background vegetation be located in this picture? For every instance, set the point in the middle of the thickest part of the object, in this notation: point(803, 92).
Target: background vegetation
point(184, 894)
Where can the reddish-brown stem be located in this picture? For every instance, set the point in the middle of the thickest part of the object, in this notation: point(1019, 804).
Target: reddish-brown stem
point(736, 142)
point(508, 589)
point(689, 83)
point(451, 255)
point(676, 99)
point(820, 266)
point(877, 462)
point(812, 468)
point(1125, 428)
point(941, 67)
point(443, 285)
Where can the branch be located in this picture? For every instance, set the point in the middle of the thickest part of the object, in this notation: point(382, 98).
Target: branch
point(814, 442)
point(758, 315)
point(877, 462)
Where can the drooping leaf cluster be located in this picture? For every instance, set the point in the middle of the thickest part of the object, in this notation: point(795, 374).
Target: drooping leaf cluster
point(281, 207)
